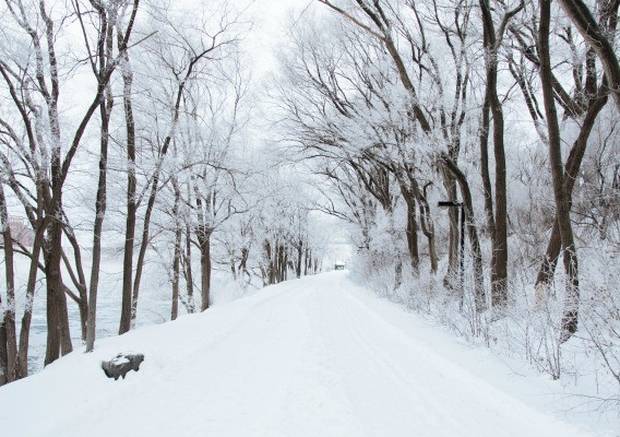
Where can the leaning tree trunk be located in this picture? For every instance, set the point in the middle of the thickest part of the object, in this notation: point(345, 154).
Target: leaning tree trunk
point(571, 304)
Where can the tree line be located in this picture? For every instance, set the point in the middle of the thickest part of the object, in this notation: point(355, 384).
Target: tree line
point(405, 103)
point(126, 121)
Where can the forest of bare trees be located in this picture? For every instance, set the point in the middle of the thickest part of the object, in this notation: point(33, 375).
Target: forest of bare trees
point(470, 149)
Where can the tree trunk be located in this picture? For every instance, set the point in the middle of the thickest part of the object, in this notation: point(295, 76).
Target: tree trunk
point(176, 259)
point(453, 237)
point(24, 334)
point(300, 249)
point(83, 307)
point(271, 267)
point(479, 292)
point(484, 169)
point(8, 342)
point(412, 236)
point(497, 224)
point(277, 270)
point(205, 267)
point(398, 273)
point(571, 304)
point(243, 263)
point(4, 368)
point(146, 224)
point(189, 278)
point(65, 333)
point(52, 351)
point(411, 231)
point(130, 221)
point(105, 109)
point(281, 263)
point(79, 281)
point(58, 340)
point(176, 273)
point(306, 256)
point(426, 223)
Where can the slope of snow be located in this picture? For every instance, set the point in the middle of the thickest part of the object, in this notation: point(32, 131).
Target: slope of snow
point(317, 356)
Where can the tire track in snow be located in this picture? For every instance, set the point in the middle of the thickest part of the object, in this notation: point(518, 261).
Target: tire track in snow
point(440, 398)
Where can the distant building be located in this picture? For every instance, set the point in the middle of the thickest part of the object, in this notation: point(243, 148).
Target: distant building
point(21, 231)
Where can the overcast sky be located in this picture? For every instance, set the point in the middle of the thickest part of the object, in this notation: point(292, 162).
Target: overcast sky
point(271, 21)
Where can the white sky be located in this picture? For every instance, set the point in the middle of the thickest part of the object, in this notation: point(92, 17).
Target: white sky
point(271, 20)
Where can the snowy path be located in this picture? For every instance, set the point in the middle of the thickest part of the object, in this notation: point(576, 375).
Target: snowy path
point(312, 357)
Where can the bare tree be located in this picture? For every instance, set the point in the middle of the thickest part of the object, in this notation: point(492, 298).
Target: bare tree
point(496, 220)
point(46, 140)
point(571, 307)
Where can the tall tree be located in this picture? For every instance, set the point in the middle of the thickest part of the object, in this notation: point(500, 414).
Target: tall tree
point(497, 222)
point(562, 203)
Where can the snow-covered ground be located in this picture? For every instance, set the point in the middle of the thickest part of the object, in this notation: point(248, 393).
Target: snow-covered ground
point(319, 356)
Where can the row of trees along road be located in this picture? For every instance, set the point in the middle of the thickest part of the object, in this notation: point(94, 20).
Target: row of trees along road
point(403, 99)
point(125, 120)
point(392, 104)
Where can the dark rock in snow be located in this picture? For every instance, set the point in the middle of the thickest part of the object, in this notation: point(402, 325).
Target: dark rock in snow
point(121, 364)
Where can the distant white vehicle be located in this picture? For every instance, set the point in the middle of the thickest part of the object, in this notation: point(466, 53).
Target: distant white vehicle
point(339, 265)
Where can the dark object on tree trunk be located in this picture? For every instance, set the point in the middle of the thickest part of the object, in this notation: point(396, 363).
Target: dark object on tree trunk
point(121, 364)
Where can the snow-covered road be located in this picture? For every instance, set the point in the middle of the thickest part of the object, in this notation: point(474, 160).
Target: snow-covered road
point(313, 357)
